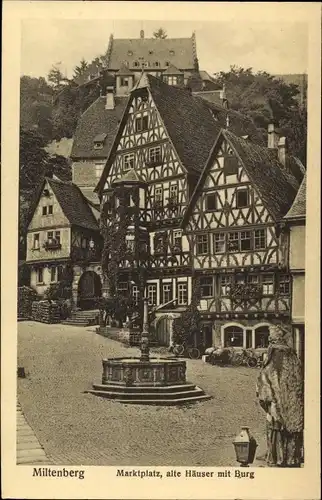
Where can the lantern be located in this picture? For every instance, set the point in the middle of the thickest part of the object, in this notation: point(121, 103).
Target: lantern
point(91, 244)
point(245, 447)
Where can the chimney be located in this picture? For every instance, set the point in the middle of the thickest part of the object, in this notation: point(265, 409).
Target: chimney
point(282, 151)
point(110, 103)
point(141, 34)
point(273, 137)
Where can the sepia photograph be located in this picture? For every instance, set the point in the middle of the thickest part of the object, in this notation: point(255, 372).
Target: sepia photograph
point(162, 246)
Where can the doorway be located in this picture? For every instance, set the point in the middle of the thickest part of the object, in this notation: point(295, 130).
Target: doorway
point(89, 289)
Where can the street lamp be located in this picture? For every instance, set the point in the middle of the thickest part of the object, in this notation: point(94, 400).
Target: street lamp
point(144, 345)
point(245, 447)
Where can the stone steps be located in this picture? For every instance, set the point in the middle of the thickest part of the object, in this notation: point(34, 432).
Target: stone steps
point(82, 318)
point(135, 389)
point(151, 395)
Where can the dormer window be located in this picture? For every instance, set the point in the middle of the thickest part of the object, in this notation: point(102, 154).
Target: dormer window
point(141, 123)
point(167, 63)
point(171, 52)
point(124, 81)
point(172, 80)
point(150, 52)
point(136, 64)
point(99, 141)
point(130, 53)
point(156, 64)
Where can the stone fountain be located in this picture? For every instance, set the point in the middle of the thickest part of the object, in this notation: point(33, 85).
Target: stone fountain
point(147, 380)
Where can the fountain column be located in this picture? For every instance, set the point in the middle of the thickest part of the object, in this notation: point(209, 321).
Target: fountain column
point(144, 346)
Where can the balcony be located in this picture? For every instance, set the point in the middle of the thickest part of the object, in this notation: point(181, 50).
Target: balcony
point(182, 259)
point(82, 255)
point(52, 245)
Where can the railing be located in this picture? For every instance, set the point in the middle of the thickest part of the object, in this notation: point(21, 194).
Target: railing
point(171, 260)
point(79, 254)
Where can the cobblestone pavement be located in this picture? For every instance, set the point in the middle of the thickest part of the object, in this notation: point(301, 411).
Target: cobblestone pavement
point(81, 429)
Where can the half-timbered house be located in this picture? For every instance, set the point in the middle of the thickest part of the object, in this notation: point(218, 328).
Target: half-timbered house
point(165, 137)
point(64, 233)
point(234, 225)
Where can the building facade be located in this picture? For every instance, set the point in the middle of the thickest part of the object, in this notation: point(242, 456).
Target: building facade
point(211, 204)
point(64, 235)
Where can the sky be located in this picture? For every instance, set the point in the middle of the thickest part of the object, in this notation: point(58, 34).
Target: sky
point(277, 47)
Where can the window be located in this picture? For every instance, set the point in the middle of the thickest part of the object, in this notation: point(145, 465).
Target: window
point(36, 241)
point(160, 243)
point(155, 155)
point(177, 240)
point(172, 80)
point(50, 210)
point(171, 52)
point(284, 284)
point(167, 292)
point(242, 198)
point(173, 195)
point(233, 336)
point(261, 337)
point(129, 53)
point(128, 162)
point(253, 278)
point(99, 167)
point(167, 63)
point(268, 284)
point(57, 237)
point(230, 165)
point(98, 145)
point(219, 242)
point(130, 245)
point(44, 210)
point(211, 201)
point(124, 82)
point(152, 295)
point(245, 240)
point(202, 244)
point(123, 288)
point(84, 243)
point(136, 64)
point(182, 294)
point(50, 236)
point(156, 64)
point(40, 275)
point(53, 274)
point(158, 195)
point(225, 284)
point(233, 242)
point(206, 287)
point(135, 294)
point(141, 123)
point(259, 239)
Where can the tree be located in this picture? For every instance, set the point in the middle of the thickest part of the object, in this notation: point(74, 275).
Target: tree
point(36, 106)
point(160, 33)
point(55, 76)
point(264, 99)
point(81, 69)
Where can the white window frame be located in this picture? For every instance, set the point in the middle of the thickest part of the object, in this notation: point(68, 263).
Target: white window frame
point(177, 238)
point(158, 194)
point(173, 192)
point(211, 285)
point(219, 239)
point(225, 285)
point(167, 288)
point(284, 282)
point(182, 294)
point(259, 239)
point(53, 275)
point(268, 284)
point(155, 155)
point(242, 237)
point(128, 162)
point(36, 247)
point(172, 80)
point(152, 294)
point(203, 252)
point(135, 294)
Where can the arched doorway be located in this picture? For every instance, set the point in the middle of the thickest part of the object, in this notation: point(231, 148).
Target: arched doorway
point(89, 288)
point(163, 330)
point(233, 336)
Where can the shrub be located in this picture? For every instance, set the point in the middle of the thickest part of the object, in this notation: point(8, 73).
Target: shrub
point(186, 326)
point(26, 296)
point(57, 291)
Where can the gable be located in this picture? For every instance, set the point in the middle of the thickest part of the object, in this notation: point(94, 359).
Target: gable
point(226, 198)
point(143, 144)
point(56, 219)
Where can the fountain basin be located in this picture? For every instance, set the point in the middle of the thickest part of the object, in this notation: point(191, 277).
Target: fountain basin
point(159, 381)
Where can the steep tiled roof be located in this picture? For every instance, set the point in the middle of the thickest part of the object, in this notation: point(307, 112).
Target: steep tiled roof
point(213, 96)
point(73, 204)
point(192, 123)
point(176, 51)
point(94, 121)
point(298, 209)
point(276, 187)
